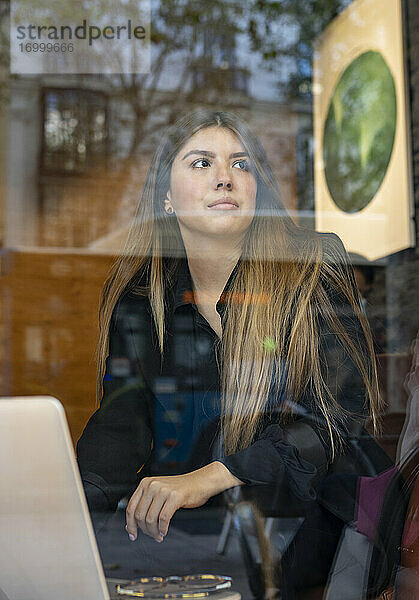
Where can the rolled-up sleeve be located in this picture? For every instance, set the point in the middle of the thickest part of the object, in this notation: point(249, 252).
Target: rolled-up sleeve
point(273, 461)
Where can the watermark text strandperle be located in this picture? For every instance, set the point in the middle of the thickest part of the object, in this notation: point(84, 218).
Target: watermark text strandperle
point(81, 32)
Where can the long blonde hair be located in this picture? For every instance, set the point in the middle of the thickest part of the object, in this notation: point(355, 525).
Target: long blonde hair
point(281, 291)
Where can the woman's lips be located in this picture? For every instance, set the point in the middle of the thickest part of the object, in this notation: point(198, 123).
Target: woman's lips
point(224, 206)
point(224, 203)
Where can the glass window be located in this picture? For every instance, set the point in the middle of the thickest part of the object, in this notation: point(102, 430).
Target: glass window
point(210, 261)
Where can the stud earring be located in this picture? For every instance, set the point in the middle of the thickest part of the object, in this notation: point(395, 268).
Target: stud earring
point(169, 210)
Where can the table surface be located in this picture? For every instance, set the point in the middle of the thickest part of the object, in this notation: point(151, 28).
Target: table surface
point(222, 595)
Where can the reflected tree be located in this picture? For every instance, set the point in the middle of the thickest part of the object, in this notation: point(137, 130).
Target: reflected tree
point(284, 32)
point(193, 43)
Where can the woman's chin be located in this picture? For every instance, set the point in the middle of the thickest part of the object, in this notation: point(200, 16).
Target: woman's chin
point(225, 226)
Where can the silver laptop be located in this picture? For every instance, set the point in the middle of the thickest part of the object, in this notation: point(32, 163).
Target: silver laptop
point(48, 548)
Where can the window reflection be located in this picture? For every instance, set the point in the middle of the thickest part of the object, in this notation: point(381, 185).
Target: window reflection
point(74, 130)
point(74, 153)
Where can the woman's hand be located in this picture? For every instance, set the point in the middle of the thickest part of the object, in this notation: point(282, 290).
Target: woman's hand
point(156, 499)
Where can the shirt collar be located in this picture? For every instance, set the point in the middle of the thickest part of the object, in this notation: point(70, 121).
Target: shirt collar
point(183, 285)
point(183, 289)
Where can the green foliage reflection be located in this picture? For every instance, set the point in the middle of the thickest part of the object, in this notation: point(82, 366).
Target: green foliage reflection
point(359, 132)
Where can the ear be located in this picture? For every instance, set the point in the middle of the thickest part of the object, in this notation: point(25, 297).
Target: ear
point(167, 202)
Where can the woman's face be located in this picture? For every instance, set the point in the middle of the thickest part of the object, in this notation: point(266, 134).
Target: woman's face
point(212, 189)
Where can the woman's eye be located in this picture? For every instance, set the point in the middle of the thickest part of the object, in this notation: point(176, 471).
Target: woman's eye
point(242, 164)
point(201, 163)
point(198, 163)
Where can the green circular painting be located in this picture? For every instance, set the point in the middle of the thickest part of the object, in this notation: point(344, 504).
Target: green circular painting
point(359, 132)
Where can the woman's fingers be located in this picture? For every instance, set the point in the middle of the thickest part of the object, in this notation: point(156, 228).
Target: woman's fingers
point(168, 510)
point(151, 508)
point(149, 523)
point(131, 526)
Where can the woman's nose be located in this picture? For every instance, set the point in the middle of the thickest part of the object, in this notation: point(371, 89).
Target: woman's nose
point(223, 180)
point(222, 177)
point(226, 184)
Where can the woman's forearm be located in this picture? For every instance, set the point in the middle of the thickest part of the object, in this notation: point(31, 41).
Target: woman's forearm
point(219, 477)
point(156, 499)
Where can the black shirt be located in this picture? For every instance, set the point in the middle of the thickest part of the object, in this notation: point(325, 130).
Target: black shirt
point(160, 416)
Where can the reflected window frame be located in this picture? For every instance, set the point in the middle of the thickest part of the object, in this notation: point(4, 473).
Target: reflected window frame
point(74, 111)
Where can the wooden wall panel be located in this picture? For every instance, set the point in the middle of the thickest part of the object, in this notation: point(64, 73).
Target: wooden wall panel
point(50, 326)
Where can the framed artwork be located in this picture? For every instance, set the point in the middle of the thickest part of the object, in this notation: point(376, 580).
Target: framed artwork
point(362, 159)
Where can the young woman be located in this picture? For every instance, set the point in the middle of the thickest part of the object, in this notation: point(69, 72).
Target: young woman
point(220, 306)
